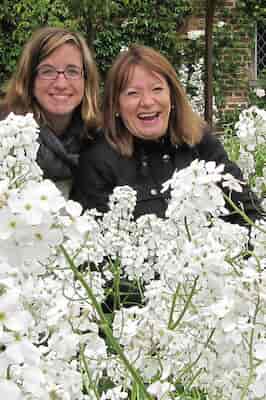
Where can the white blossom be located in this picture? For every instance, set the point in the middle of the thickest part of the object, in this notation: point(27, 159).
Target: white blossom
point(260, 92)
point(195, 34)
point(198, 283)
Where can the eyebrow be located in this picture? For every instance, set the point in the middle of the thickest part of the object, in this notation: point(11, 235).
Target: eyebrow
point(158, 81)
point(68, 65)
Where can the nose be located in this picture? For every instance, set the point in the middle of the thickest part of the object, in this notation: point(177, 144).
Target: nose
point(146, 99)
point(60, 80)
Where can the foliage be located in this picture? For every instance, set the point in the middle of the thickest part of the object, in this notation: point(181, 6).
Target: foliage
point(253, 8)
point(116, 24)
point(246, 145)
point(110, 25)
point(19, 18)
point(257, 97)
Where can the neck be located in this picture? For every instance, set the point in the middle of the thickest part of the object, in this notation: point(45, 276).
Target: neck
point(59, 124)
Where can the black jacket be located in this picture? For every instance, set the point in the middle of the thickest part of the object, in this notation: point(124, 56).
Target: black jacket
point(101, 169)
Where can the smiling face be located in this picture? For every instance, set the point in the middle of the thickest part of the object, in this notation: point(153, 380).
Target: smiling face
point(145, 104)
point(58, 98)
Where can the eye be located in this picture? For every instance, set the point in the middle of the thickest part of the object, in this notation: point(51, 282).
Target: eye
point(73, 72)
point(131, 92)
point(157, 89)
point(46, 71)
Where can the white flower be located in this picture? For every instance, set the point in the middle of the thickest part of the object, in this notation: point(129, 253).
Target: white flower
point(220, 24)
point(232, 183)
point(124, 48)
point(4, 184)
point(22, 351)
point(161, 390)
point(95, 346)
point(117, 393)
point(64, 342)
point(9, 390)
point(73, 208)
point(260, 92)
point(13, 317)
point(201, 298)
point(11, 224)
point(223, 307)
point(194, 35)
point(17, 351)
point(18, 149)
point(260, 351)
point(194, 191)
point(33, 379)
point(36, 200)
point(259, 388)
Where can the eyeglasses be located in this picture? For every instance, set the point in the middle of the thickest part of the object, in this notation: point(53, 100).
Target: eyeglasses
point(49, 72)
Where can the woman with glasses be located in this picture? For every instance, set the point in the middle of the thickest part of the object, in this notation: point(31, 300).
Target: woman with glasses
point(57, 80)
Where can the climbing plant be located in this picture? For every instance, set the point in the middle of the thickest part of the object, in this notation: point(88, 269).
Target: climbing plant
point(110, 25)
point(116, 24)
point(19, 18)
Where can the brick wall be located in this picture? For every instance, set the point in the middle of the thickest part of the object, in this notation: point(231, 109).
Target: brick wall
point(236, 85)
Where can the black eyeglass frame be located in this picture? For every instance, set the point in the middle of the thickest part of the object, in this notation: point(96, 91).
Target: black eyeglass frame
point(59, 71)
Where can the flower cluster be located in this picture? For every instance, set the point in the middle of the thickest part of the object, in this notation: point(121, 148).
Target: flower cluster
point(18, 149)
point(195, 34)
point(251, 133)
point(35, 363)
point(192, 78)
point(97, 307)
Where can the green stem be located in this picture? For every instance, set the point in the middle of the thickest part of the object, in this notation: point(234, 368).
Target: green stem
point(140, 290)
point(116, 285)
point(243, 214)
point(174, 325)
point(173, 306)
point(105, 326)
point(187, 230)
point(92, 385)
point(190, 366)
point(196, 375)
point(260, 268)
point(250, 353)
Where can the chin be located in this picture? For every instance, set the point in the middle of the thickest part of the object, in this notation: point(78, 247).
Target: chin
point(153, 136)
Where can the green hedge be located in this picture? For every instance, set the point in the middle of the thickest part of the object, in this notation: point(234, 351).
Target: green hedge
point(19, 18)
point(109, 25)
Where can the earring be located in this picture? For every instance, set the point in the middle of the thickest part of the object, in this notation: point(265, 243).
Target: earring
point(116, 114)
point(172, 107)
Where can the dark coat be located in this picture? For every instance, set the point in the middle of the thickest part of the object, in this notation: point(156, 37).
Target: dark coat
point(101, 169)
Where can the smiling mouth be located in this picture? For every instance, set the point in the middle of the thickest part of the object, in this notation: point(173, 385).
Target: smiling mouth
point(60, 96)
point(148, 116)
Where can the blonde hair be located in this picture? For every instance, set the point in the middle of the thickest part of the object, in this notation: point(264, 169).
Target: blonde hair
point(185, 125)
point(19, 96)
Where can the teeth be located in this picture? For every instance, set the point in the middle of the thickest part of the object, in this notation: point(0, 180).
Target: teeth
point(61, 98)
point(150, 115)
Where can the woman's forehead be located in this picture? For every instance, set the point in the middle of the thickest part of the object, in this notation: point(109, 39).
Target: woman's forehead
point(130, 73)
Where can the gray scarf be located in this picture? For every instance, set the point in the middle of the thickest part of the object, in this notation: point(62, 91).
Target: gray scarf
point(58, 155)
